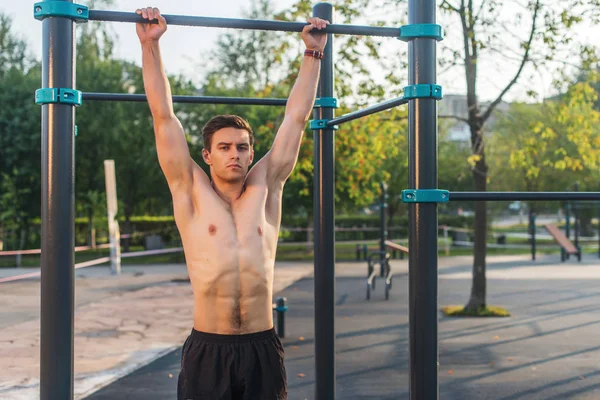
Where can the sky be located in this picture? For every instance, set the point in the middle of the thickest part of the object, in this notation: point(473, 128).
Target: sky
point(185, 49)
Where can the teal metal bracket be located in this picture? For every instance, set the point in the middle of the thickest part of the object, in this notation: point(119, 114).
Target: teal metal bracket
point(326, 102)
point(58, 95)
point(425, 196)
point(280, 309)
point(76, 131)
point(318, 124)
point(76, 12)
point(414, 31)
point(423, 91)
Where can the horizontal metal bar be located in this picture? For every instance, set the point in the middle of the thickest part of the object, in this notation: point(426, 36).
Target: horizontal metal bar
point(368, 111)
point(212, 22)
point(187, 99)
point(514, 196)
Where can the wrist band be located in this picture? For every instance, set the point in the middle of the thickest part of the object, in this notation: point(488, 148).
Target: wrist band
point(314, 53)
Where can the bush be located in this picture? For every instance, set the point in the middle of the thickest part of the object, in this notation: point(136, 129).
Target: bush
point(293, 228)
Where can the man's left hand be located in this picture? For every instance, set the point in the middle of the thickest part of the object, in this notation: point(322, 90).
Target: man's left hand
point(313, 39)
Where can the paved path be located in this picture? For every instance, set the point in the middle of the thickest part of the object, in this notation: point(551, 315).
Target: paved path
point(548, 349)
point(123, 323)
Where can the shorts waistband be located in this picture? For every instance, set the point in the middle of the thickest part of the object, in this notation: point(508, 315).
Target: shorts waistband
point(243, 338)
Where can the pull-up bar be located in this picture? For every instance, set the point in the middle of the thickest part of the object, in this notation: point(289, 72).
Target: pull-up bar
point(386, 105)
point(523, 196)
point(419, 91)
point(235, 23)
point(187, 99)
point(81, 13)
point(444, 196)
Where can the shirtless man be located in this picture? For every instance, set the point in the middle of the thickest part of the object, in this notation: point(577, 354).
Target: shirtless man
point(229, 227)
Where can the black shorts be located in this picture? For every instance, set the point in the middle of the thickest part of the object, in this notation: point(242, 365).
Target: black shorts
point(245, 367)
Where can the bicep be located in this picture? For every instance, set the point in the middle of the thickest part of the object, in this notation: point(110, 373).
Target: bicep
point(173, 153)
point(282, 157)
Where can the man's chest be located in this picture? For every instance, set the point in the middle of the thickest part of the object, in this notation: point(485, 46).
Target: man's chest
point(234, 226)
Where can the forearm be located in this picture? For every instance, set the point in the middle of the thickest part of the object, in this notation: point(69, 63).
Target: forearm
point(156, 84)
point(302, 97)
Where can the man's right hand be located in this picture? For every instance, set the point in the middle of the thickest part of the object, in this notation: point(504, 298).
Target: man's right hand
point(150, 32)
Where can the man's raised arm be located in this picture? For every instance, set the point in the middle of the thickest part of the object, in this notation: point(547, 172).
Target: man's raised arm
point(284, 153)
point(171, 145)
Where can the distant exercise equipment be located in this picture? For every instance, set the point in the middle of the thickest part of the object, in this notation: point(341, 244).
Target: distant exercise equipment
point(566, 245)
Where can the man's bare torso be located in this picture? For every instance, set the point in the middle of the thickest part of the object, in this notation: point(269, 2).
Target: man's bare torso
point(230, 255)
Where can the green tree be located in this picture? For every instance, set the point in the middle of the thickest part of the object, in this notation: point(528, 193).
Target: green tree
point(19, 137)
point(550, 145)
point(483, 32)
point(121, 131)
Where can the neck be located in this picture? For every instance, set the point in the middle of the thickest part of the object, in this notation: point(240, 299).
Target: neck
point(228, 191)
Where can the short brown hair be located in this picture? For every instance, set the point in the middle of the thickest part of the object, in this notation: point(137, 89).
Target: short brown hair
point(224, 121)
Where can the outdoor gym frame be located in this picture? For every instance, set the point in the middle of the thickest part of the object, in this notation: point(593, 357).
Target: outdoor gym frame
point(58, 99)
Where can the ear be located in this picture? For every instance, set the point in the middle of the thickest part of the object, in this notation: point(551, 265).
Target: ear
point(206, 156)
point(251, 155)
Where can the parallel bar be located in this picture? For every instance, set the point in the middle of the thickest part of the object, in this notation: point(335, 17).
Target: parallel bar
point(386, 105)
point(324, 227)
point(212, 22)
point(423, 219)
point(524, 196)
point(58, 205)
point(188, 99)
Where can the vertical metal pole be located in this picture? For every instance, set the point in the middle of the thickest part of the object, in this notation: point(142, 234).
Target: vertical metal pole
point(532, 231)
point(576, 219)
point(423, 221)
point(598, 205)
point(58, 203)
point(382, 220)
point(324, 187)
point(563, 253)
point(382, 226)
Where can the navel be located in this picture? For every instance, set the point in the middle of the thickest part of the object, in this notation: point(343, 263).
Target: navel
point(259, 231)
point(212, 230)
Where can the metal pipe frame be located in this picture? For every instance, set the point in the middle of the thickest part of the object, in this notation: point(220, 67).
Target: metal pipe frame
point(386, 105)
point(524, 196)
point(235, 23)
point(324, 226)
point(57, 214)
point(423, 218)
point(187, 99)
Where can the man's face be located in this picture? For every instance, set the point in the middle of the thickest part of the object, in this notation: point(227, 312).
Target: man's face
point(230, 155)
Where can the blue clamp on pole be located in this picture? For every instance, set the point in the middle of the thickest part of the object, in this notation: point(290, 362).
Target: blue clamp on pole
point(423, 90)
point(76, 12)
point(58, 95)
point(425, 196)
point(329, 102)
point(414, 31)
point(280, 309)
point(318, 124)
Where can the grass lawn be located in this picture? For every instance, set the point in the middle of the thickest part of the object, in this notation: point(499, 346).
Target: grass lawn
point(300, 252)
point(489, 311)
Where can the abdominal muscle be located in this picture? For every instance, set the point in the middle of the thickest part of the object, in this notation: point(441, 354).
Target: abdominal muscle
point(233, 287)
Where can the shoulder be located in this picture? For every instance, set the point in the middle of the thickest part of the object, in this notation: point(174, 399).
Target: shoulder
point(188, 199)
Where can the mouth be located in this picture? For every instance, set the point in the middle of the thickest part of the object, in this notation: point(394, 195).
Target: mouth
point(234, 166)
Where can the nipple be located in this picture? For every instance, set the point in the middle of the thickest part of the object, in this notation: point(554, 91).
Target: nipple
point(259, 231)
point(212, 230)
